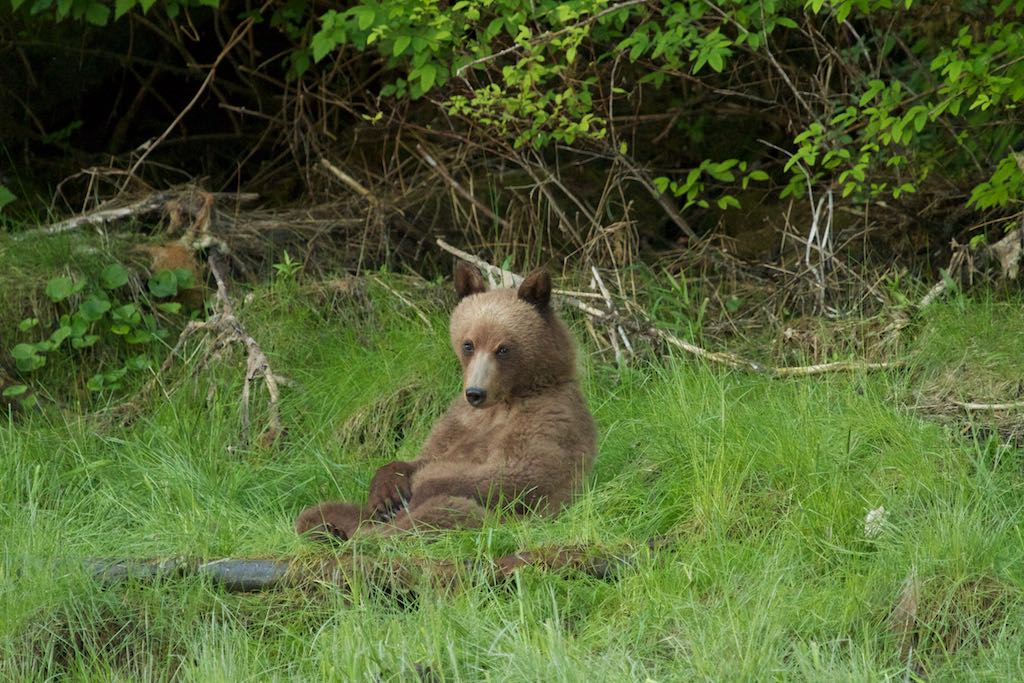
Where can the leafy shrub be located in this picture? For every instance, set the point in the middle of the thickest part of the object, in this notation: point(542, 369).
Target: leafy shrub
point(90, 314)
point(863, 100)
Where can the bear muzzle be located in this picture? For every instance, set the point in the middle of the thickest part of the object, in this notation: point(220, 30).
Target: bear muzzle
point(476, 396)
point(481, 380)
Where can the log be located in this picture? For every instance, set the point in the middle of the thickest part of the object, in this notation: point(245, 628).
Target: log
point(389, 573)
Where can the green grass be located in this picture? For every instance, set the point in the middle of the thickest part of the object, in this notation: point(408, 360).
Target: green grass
point(764, 483)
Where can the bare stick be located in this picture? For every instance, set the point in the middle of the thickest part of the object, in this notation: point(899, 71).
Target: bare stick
point(101, 217)
point(236, 37)
point(934, 293)
point(611, 309)
point(440, 170)
point(1016, 405)
point(721, 357)
point(347, 179)
point(153, 202)
point(839, 366)
point(404, 300)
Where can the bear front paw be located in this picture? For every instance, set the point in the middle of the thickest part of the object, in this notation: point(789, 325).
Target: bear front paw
point(330, 521)
point(391, 488)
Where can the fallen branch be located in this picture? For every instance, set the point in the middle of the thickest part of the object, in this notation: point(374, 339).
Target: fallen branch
point(440, 170)
point(402, 574)
point(839, 366)
point(510, 279)
point(1015, 405)
point(352, 183)
point(101, 216)
point(156, 201)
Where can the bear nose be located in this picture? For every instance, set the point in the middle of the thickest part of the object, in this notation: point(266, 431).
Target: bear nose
point(475, 396)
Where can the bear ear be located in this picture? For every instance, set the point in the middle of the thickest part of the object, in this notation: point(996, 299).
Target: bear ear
point(536, 288)
point(468, 280)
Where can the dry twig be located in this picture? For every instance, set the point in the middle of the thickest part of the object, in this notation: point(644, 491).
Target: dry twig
point(440, 170)
point(1014, 405)
point(237, 35)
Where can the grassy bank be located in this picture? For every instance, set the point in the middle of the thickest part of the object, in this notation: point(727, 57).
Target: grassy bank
point(765, 484)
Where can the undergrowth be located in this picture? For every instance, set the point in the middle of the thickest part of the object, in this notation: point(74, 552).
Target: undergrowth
point(763, 485)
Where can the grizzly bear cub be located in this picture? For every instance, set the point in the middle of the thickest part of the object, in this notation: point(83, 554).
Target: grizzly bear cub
point(520, 433)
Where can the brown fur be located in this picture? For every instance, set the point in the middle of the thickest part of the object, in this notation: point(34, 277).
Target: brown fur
point(529, 440)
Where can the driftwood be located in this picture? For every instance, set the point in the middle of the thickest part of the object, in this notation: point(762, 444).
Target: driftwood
point(613, 317)
point(347, 570)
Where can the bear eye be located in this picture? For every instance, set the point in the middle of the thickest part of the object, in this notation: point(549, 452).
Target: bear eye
point(503, 350)
point(467, 347)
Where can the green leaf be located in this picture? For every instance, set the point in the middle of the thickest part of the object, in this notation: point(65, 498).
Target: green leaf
point(163, 284)
point(122, 7)
point(84, 342)
point(661, 183)
point(978, 241)
point(15, 390)
point(364, 16)
point(59, 288)
point(97, 14)
point(725, 201)
point(322, 44)
point(785, 21)
point(300, 61)
point(170, 307)
point(715, 61)
point(120, 329)
point(27, 324)
point(78, 325)
point(59, 335)
point(184, 278)
point(6, 197)
point(428, 72)
point(401, 42)
point(139, 337)
point(139, 362)
point(114, 276)
point(126, 314)
point(93, 308)
point(23, 351)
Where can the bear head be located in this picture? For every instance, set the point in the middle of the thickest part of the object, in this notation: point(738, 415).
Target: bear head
point(509, 341)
